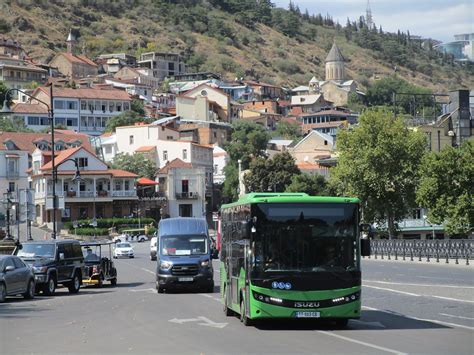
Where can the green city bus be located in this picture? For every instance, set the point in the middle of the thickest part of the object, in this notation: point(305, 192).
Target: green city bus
point(291, 255)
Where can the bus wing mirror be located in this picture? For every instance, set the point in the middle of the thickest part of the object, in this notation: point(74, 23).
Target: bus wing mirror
point(365, 247)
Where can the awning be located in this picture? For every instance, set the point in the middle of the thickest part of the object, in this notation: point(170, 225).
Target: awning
point(146, 181)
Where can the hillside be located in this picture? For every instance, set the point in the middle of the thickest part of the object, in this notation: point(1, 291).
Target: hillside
point(236, 38)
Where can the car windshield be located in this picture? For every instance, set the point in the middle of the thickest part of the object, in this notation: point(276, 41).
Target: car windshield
point(123, 245)
point(36, 251)
point(184, 245)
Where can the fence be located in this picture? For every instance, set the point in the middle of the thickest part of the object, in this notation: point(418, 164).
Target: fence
point(439, 250)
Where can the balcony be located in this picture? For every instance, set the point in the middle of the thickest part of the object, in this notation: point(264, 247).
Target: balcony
point(187, 195)
point(124, 193)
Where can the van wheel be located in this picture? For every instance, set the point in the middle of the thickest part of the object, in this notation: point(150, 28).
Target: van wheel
point(113, 281)
point(160, 289)
point(50, 286)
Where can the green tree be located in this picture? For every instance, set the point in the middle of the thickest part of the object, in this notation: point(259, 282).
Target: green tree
point(126, 118)
point(287, 130)
point(249, 140)
point(8, 124)
point(311, 184)
point(378, 163)
point(137, 163)
point(271, 174)
point(446, 188)
point(3, 91)
point(138, 107)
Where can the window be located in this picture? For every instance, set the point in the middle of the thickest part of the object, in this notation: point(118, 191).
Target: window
point(11, 186)
point(83, 212)
point(185, 186)
point(325, 142)
point(83, 162)
point(111, 106)
point(82, 186)
point(44, 121)
point(118, 185)
point(108, 149)
point(126, 105)
point(97, 105)
point(165, 155)
point(130, 139)
point(104, 106)
point(119, 106)
point(72, 105)
point(83, 104)
point(127, 185)
point(216, 168)
point(185, 154)
point(34, 121)
point(71, 122)
point(185, 210)
point(58, 105)
point(59, 121)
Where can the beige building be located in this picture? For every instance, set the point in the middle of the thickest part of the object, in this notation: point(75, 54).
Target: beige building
point(142, 76)
point(313, 147)
point(215, 99)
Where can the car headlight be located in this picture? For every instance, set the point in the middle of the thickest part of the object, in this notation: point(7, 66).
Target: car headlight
point(205, 263)
point(40, 269)
point(166, 265)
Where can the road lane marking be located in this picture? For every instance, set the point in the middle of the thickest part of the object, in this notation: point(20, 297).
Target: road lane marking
point(419, 319)
point(204, 321)
point(452, 299)
point(209, 296)
point(451, 315)
point(392, 290)
point(425, 285)
point(361, 342)
point(139, 268)
point(149, 290)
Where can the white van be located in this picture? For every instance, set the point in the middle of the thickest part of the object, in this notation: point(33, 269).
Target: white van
point(153, 248)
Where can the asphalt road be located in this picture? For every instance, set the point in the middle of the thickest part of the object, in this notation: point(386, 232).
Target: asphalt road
point(408, 307)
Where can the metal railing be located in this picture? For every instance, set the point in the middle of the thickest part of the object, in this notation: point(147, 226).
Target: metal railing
point(187, 195)
point(442, 250)
point(124, 193)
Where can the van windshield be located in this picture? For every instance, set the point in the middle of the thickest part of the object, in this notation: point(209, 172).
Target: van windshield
point(184, 245)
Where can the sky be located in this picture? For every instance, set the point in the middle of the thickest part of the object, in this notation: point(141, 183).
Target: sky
point(437, 19)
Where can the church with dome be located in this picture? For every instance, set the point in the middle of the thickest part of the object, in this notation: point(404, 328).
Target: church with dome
point(335, 88)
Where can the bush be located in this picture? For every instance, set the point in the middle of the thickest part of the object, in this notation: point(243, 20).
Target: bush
point(287, 66)
point(106, 223)
point(92, 231)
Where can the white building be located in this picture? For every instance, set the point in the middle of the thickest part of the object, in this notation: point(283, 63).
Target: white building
point(82, 110)
point(220, 161)
point(162, 64)
point(184, 185)
point(101, 192)
point(133, 87)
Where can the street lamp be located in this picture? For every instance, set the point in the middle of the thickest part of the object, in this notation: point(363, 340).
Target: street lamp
point(6, 110)
point(76, 178)
point(240, 177)
point(8, 202)
point(432, 226)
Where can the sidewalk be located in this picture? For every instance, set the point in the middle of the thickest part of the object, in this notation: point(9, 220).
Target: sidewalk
point(452, 262)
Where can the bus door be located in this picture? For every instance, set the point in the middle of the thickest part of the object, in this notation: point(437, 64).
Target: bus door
point(239, 253)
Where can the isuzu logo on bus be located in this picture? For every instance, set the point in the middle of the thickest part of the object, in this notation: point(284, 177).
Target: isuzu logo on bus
point(306, 304)
point(281, 285)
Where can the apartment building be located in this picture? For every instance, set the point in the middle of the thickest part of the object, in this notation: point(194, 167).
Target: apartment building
point(162, 64)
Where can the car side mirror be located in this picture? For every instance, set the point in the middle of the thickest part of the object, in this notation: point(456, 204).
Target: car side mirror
point(61, 256)
point(365, 247)
point(9, 268)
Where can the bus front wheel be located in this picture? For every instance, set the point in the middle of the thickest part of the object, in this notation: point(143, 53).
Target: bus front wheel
point(243, 314)
point(342, 322)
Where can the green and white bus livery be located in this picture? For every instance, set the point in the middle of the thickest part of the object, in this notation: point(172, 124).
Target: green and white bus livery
point(291, 255)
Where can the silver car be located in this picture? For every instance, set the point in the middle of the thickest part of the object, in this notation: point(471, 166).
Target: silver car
point(16, 278)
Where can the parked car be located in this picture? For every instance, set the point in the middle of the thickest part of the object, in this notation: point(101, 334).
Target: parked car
point(54, 262)
point(153, 248)
point(99, 264)
point(16, 278)
point(123, 249)
point(141, 238)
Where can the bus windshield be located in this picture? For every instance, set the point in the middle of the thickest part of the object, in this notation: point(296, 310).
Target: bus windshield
point(304, 238)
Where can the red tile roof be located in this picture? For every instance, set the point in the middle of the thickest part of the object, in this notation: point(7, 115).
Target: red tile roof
point(87, 93)
point(176, 163)
point(78, 58)
point(30, 108)
point(25, 140)
point(112, 172)
point(145, 148)
point(62, 156)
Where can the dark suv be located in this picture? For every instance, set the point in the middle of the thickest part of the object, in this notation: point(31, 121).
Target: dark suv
point(54, 262)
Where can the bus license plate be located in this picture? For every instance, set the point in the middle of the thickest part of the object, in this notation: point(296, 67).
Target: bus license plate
point(308, 314)
point(185, 279)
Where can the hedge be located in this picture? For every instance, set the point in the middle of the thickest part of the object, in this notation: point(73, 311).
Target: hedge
point(92, 231)
point(110, 222)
